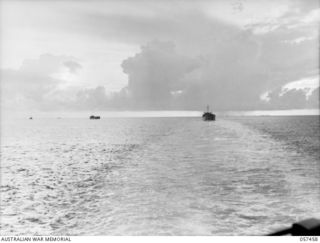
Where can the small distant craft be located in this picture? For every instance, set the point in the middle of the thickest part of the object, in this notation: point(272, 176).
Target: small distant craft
point(208, 116)
point(30, 118)
point(94, 117)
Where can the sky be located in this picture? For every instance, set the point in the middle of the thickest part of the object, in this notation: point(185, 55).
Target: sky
point(234, 55)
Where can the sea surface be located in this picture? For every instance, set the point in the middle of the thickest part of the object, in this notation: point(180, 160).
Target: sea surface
point(158, 176)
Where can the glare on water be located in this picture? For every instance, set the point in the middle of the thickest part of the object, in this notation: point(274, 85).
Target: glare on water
point(157, 176)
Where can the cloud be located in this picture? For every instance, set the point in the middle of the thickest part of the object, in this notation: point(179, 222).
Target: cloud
point(93, 99)
point(72, 66)
point(308, 85)
point(155, 72)
point(35, 83)
point(293, 99)
point(230, 66)
point(232, 76)
point(204, 54)
point(314, 99)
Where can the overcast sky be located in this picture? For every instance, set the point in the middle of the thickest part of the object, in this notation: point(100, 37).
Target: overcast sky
point(159, 55)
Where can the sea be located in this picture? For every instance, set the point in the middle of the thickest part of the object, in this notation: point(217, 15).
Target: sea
point(159, 176)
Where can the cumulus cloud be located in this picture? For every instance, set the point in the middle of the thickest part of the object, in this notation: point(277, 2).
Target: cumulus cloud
point(72, 66)
point(204, 54)
point(314, 99)
point(232, 76)
point(34, 84)
point(293, 99)
point(211, 61)
point(156, 72)
point(308, 85)
point(300, 94)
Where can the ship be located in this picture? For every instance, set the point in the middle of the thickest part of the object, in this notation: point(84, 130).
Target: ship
point(94, 117)
point(208, 116)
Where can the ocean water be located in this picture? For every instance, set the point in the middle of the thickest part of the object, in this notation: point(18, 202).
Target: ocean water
point(158, 176)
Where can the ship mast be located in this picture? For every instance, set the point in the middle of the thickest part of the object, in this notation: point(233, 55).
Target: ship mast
point(207, 108)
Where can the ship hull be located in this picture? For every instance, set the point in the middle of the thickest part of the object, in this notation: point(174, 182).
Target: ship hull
point(208, 116)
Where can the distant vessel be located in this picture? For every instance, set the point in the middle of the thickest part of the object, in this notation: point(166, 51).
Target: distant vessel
point(94, 117)
point(30, 118)
point(208, 116)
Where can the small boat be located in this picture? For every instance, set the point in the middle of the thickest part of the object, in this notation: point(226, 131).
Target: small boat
point(30, 118)
point(208, 116)
point(94, 117)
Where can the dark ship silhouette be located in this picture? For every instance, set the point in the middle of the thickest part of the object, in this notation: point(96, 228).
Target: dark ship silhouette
point(208, 116)
point(307, 227)
point(94, 117)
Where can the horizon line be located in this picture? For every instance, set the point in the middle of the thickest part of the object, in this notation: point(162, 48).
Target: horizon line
point(157, 113)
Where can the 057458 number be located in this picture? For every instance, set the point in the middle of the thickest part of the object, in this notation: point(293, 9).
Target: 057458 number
point(309, 238)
